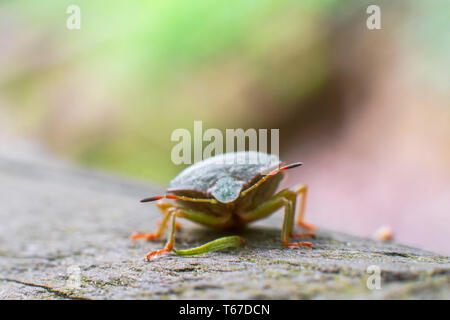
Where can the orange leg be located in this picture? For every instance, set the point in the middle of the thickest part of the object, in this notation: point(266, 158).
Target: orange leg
point(301, 244)
point(288, 221)
point(298, 244)
point(303, 190)
point(303, 235)
point(285, 198)
point(155, 235)
point(170, 242)
point(177, 224)
point(165, 208)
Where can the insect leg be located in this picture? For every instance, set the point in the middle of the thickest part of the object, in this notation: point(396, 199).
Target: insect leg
point(170, 241)
point(212, 221)
point(302, 191)
point(165, 208)
point(201, 217)
point(288, 223)
point(204, 218)
point(265, 209)
point(285, 198)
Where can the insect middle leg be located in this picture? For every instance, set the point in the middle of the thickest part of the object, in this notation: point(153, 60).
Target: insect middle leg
point(302, 192)
point(285, 198)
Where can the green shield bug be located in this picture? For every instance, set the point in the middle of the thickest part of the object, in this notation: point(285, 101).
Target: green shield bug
point(228, 191)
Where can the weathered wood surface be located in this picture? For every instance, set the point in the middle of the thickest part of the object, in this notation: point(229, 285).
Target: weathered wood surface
point(60, 224)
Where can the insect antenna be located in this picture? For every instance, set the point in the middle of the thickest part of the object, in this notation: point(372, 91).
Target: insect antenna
point(173, 197)
point(270, 174)
point(152, 199)
point(290, 166)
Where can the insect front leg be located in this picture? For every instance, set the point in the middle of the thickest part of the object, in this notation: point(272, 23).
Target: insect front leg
point(170, 241)
point(166, 208)
point(221, 243)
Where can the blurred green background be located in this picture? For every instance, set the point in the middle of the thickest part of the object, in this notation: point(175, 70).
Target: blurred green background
point(137, 70)
point(367, 110)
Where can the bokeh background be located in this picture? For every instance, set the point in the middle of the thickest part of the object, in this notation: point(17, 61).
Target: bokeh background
point(367, 111)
